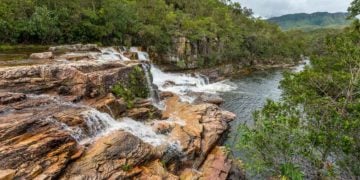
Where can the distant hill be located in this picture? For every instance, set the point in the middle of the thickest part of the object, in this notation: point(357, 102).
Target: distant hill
point(312, 21)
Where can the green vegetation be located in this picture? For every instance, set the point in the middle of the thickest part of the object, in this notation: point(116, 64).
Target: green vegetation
point(126, 167)
point(308, 22)
point(220, 30)
point(135, 88)
point(354, 9)
point(314, 133)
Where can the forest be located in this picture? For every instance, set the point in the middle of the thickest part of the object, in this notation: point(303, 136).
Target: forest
point(152, 24)
point(313, 133)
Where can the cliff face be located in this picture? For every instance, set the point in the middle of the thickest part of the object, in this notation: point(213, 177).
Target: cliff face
point(186, 54)
point(59, 119)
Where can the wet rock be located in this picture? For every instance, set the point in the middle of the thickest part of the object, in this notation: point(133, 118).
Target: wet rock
point(44, 55)
point(206, 98)
point(164, 95)
point(139, 113)
point(109, 104)
point(143, 110)
point(169, 83)
point(115, 156)
point(163, 127)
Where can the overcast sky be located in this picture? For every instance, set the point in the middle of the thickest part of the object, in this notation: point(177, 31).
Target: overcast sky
point(270, 8)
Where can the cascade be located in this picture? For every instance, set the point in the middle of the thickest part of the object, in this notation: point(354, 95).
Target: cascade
point(111, 54)
point(184, 84)
point(154, 93)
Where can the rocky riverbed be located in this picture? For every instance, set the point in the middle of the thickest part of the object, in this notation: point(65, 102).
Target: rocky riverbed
point(60, 119)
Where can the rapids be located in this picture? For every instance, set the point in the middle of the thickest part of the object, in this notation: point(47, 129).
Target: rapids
point(183, 84)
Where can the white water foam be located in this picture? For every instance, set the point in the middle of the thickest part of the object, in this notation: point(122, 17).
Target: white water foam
point(141, 55)
point(102, 124)
point(182, 84)
point(142, 131)
point(110, 54)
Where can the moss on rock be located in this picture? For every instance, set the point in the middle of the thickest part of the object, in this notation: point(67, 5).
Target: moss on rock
point(136, 87)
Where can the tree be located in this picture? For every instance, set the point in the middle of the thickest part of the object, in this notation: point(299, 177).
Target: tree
point(354, 9)
point(316, 127)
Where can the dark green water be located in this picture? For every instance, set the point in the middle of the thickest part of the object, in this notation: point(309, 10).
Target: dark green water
point(19, 55)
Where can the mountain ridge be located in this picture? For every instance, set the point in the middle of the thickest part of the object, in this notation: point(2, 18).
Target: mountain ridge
point(311, 21)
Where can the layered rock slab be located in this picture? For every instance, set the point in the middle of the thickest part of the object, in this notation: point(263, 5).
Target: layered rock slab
point(202, 127)
point(32, 141)
point(115, 156)
point(79, 79)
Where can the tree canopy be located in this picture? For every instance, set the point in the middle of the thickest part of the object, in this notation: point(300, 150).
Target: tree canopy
point(152, 24)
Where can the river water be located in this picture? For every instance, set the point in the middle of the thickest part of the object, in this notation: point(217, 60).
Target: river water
point(251, 94)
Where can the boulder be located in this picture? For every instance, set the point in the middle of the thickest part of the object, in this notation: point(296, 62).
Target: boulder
point(201, 97)
point(116, 156)
point(44, 55)
point(202, 127)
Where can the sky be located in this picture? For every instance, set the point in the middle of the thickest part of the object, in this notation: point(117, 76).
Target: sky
point(272, 8)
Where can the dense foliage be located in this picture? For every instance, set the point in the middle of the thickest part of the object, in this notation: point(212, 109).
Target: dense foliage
point(312, 21)
point(315, 131)
point(354, 9)
point(153, 24)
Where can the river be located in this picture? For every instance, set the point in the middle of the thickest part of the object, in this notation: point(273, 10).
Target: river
point(250, 95)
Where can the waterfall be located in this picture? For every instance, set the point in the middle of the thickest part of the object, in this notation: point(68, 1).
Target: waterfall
point(185, 84)
point(101, 124)
point(142, 131)
point(110, 54)
point(154, 93)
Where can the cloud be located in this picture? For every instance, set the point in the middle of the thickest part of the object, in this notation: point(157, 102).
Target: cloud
point(270, 8)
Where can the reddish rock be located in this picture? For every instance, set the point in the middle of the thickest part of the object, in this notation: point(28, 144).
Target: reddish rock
point(82, 78)
point(109, 104)
point(203, 127)
point(7, 98)
point(115, 156)
point(156, 170)
point(217, 166)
